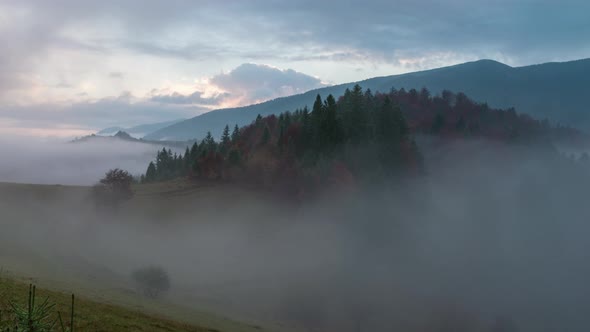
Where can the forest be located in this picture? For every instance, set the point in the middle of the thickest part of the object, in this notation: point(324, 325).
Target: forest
point(361, 138)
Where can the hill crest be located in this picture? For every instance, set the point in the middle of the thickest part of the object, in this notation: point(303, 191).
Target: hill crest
point(553, 90)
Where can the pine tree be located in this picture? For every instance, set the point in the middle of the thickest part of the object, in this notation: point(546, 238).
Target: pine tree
point(317, 117)
point(225, 140)
point(194, 150)
point(186, 154)
point(281, 120)
point(234, 157)
point(460, 125)
point(265, 136)
point(305, 116)
point(355, 116)
point(390, 132)
point(438, 123)
point(369, 100)
point(330, 128)
point(281, 141)
point(210, 144)
point(150, 174)
point(424, 96)
point(318, 107)
point(235, 135)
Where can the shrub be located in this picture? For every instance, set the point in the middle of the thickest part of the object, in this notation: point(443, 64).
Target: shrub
point(118, 181)
point(114, 188)
point(151, 281)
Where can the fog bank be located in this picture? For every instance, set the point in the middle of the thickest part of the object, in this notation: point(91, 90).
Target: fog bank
point(493, 238)
point(52, 161)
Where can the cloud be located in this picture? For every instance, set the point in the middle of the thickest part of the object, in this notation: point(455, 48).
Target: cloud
point(255, 82)
point(91, 115)
point(191, 99)
point(246, 84)
point(68, 50)
point(377, 31)
point(116, 75)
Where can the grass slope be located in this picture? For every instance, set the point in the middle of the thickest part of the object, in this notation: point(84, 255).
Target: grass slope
point(105, 305)
point(91, 315)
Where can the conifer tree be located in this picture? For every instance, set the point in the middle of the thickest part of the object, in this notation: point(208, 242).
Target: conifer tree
point(186, 154)
point(234, 157)
point(438, 123)
point(150, 174)
point(358, 118)
point(331, 123)
point(317, 109)
point(194, 151)
point(305, 116)
point(265, 136)
point(235, 135)
point(280, 141)
point(317, 117)
point(225, 140)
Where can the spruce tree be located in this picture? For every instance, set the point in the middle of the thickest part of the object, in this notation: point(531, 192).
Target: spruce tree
point(235, 135)
point(317, 112)
point(234, 157)
point(225, 140)
point(193, 155)
point(331, 125)
point(150, 174)
point(305, 116)
point(358, 116)
point(265, 136)
point(210, 142)
point(438, 123)
point(186, 154)
point(280, 140)
point(317, 117)
point(281, 120)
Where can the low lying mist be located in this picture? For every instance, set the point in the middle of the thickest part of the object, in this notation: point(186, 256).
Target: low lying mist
point(52, 161)
point(493, 238)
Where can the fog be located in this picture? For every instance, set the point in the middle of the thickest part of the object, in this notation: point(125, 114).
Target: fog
point(54, 161)
point(493, 238)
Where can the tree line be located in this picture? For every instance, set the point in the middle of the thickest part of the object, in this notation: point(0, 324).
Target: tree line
point(360, 136)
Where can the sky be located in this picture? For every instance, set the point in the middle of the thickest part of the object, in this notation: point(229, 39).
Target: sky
point(72, 67)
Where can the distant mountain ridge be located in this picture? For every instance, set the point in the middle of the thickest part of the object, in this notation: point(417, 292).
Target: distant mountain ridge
point(122, 136)
point(555, 90)
point(139, 130)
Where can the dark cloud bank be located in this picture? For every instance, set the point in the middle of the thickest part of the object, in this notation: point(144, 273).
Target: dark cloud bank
point(492, 237)
point(373, 31)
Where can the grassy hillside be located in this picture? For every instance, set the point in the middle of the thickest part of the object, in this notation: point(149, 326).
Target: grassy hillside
point(53, 237)
point(553, 90)
point(91, 315)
